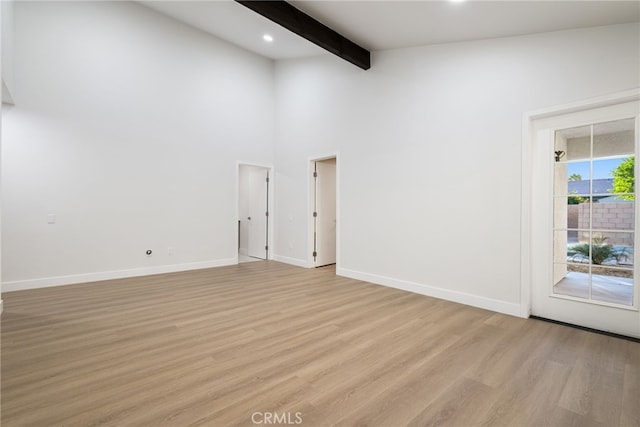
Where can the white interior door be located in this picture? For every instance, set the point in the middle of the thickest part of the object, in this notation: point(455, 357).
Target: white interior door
point(325, 208)
point(584, 219)
point(253, 209)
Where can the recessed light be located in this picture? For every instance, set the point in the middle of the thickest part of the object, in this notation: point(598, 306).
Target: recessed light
point(268, 38)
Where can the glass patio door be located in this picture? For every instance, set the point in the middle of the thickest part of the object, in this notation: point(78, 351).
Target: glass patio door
point(585, 262)
point(594, 212)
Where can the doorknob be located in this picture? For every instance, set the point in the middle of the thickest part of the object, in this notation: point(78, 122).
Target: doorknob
point(249, 218)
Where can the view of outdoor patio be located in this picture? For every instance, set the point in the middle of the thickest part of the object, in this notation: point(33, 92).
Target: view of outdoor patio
point(594, 212)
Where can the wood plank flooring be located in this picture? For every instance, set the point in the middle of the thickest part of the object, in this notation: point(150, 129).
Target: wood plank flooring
point(216, 347)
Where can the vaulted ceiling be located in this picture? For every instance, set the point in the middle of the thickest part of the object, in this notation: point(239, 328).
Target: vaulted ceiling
point(380, 25)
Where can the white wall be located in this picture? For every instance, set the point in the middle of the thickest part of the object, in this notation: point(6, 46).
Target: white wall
point(127, 126)
point(2, 28)
point(7, 49)
point(430, 141)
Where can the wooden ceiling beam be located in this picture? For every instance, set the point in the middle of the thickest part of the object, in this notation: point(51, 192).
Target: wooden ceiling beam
point(286, 15)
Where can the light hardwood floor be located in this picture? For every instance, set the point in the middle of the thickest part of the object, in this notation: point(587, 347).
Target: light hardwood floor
point(212, 347)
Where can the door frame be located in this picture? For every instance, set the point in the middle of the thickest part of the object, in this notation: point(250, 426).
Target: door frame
point(310, 199)
point(528, 139)
point(270, 206)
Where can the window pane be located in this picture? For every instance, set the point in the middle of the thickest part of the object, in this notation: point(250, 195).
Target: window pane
point(612, 285)
point(575, 143)
point(572, 179)
point(574, 282)
point(583, 215)
point(560, 247)
point(614, 138)
point(580, 252)
point(616, 215)
point(613, 179)
point(611, 248)
point(571, 213)
point(622, 177)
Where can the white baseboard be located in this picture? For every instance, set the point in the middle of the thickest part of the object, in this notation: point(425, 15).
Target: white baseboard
point(512, 309)
point(293, 261)
point(432, 291)
point(46, 282)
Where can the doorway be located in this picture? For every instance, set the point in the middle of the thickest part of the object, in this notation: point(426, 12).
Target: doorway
point(324, 211)
point(253, 212)
point(584, 217)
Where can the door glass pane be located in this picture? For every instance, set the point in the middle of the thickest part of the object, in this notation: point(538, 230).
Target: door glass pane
point(613, 215)
point(560, 249)
point(612, 285)
point(615, 138)
point(613, 249)
point(577, 178)
point(571, 213)
point(575, 143)
point(575, 280)
point(613, 179)
point(621, 178)
point(580, 252)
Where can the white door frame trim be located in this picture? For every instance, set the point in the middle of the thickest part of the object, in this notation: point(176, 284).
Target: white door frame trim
point(527, 180)
point(270, 205)
point(310, 195)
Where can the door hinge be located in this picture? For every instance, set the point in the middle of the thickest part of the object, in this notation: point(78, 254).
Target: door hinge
point(266, 248)
point(315, 214)
point(315, 254)
point(267, 179)
point(315, 174)
point(266, 213)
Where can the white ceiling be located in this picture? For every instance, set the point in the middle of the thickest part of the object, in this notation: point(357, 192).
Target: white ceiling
point(380, 25)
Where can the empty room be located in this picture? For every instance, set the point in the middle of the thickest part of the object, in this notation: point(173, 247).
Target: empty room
point(318, 213)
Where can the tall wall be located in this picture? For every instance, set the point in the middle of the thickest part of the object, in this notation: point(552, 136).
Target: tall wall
point(128, 126)
point(423, 135)
point(126, 132)
point(7, 49)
